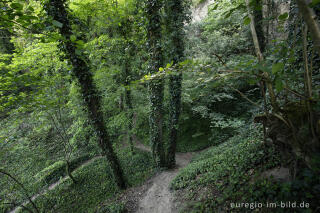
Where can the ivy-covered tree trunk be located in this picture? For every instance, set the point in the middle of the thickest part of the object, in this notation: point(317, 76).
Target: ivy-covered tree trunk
point(175, 18)
point(156, 84)
point(89, 92)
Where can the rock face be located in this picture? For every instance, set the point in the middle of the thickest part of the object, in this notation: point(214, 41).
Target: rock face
point(201, 11)
point(272, 27)
point(281, 174)
point(272, 9)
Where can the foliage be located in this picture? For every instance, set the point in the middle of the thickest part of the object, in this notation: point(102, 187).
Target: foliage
point(226, 168)
point(96, 184)
point(44, 113)
point(54, 172)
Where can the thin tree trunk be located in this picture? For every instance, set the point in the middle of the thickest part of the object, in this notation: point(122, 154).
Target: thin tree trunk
point(260, 58)
point(129, 105)
point(68, 171)
point(89, 92)
point(25, 191)
point(258, 17)
point(308, 81)
point(130, 116)
point(254, 33)
point(310, 18)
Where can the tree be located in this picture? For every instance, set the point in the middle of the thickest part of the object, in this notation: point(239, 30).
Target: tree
point(92, 99)
point(311, 20)
point(175, 18)
point(23, 190)
point(156, 85)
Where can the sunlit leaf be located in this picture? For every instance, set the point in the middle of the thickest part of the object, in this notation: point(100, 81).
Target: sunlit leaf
point(247, 21)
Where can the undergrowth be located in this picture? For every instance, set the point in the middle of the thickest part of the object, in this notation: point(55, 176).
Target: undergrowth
point(232, 173)
point(95, 184)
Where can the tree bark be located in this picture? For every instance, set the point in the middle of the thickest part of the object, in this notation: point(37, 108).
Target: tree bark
point(254, 33)
point(174, 24)
point(89, 92)
point(155, 85)
point(258, 17)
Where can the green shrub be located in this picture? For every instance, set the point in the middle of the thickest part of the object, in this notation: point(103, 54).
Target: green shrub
point(52, 173)
point(57, 170)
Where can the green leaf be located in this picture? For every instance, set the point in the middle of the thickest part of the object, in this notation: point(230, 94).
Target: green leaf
point(247, 21)
point(279, 84)
point(252, 81)
point(78, 51)
point(16, 6)
point(228, 14)
point(314, 3)
point(283, 16)
point(80, 42)
point(215, 7)
point(73, 38)
point(57, 23)
point(26, 17)
point(277, 67)
point(30, 8)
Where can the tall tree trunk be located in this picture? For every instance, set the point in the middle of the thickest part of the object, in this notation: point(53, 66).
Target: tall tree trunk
point(174, 24)
point(310, 18)
point(174, 113)
point(90, 94)
point(155, 85)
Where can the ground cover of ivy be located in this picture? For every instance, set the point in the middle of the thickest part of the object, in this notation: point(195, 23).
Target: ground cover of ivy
point(232, 172)
point(95, 185)
point(215, 176)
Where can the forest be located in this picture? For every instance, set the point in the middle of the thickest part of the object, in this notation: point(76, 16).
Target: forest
point(159, 106)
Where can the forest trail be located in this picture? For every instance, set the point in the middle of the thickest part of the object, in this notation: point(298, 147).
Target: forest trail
point(52, 186)
point(158, 198)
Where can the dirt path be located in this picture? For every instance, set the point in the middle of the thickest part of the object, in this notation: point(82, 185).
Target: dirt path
point(153, 196)
point(158, 198)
